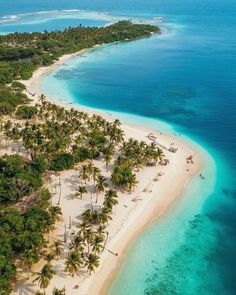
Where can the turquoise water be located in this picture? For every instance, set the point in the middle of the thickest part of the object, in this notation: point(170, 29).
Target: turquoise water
point(184, 83)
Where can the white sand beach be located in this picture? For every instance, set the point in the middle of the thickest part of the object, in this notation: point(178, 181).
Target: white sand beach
point(159, 187)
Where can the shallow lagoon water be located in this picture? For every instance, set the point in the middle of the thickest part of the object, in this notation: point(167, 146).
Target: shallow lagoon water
point(185, 78)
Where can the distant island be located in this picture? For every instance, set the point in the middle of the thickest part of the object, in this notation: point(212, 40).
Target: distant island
point(22, 53)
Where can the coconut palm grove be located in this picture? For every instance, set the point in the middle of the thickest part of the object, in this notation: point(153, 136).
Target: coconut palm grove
point(43, 139)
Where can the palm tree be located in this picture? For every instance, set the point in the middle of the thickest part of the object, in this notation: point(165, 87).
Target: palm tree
point(105, 234)
point(105, 215)
point(83, 228)
point(119, 135)
point(49, 257)
point(80, 191)
point(108, 154)
point(49, 227)
point(57, 291)
point(55, 213)
point(107, 158)
point(7, 130)
point(44, 276)
point(96, 172)
point(110, 199)
point(90, 168)
point(132, 182)
point(84, 173)
point(88, 236)
point(73, 262)
point(29, 257)
point(77, 243)
point(101, 185)
point(91, 262)
point(101, 230)
point(42, 99)
point(16, 134)
point(160, 154)
point(117, 122)
point(123, 176)
point(57, 247)
point(87, 216)
point(97, 243)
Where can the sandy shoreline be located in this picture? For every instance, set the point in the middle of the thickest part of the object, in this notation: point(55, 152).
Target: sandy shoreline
point(127, 221)
point(33, 84)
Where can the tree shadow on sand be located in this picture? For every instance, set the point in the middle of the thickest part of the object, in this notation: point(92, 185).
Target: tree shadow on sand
point(23, 287)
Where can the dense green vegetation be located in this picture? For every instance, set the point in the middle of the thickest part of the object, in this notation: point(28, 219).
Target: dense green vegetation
point(46, 138)
point(22, 236)
point(43, 48)
point(10, 99)
point(26, 112)
point(61, 161)
point(56, 139)
point(17, 178)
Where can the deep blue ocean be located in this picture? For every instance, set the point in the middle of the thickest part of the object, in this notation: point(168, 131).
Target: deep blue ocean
point(187, 79)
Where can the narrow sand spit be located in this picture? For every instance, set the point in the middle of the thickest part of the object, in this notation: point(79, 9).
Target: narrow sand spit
point(151, 198)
